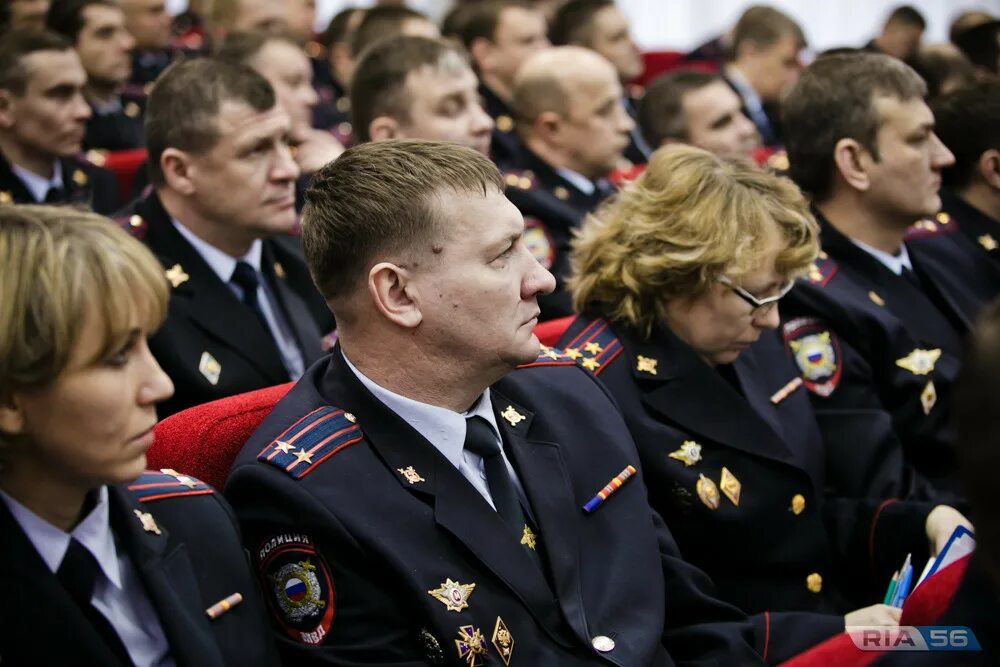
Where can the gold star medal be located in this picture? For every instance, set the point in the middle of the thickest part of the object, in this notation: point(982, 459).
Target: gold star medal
point(453, 595)
point(730, 486)
point(147, 521)
point(528, 538)
point(708, 492)
point(920, 362)
point(175, 274)
point(688, 453)
point(503, 641)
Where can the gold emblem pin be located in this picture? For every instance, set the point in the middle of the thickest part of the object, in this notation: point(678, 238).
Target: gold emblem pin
point(988, 242)
point(730, 486)
point(528, 538)
point(453, 595)
point(279, 270)
point(505, 123)
point(814, 582)
point(410, 475)
point(513, 180)
point(80, 177)
point(210, 368)
point(135, 220)
point(798, 504)
point(503, 641)
point(560, 192)
point(708, 492)
point(688, 453)
point(131, 110)
point(175, 274)
point(943, 218)
point(645, 365)
point(920, 362)
point(96, 157)
point(350, 417)
point(928, 397)
point(6, 197)
point(471, 645)
point(876, 299)
point(512, 416)
point(147, 521)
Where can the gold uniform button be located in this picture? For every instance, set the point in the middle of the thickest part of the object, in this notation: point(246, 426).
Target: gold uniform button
point(135, 220)
point(814, 582)
point(603, 644)
point(798, 504)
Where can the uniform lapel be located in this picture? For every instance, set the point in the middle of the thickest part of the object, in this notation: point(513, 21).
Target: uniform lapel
point(170, 582)
point(210, 304)
point(306, 333)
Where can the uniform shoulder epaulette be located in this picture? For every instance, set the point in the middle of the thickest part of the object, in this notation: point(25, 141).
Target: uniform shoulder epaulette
point(549, 356)
point(523, 179)
point(822, 270)
point(134, 224)
point(314, 438)
point(167, 483)
point(942, 223)
point(594, 348)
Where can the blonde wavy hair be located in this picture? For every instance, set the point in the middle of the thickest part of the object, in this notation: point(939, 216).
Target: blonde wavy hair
point(691, 218)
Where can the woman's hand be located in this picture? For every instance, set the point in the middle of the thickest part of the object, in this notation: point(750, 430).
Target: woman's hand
point(941, 523)
point(877, 614)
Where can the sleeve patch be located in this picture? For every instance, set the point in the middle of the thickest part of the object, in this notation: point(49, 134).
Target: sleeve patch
point(297, 584)
point(300, 448)
point(816, 351)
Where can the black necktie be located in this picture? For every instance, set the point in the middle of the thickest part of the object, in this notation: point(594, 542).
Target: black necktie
point(78, 574)
point(911, 277)
point(480, 439)
point(245, 278)
point(55, 195)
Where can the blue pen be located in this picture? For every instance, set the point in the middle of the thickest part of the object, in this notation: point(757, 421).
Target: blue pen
point(904, 583)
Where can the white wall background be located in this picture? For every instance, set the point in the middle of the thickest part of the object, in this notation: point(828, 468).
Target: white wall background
point(683, 24)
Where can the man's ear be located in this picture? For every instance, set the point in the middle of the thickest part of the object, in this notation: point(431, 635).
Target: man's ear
point(853, 161)
point(391, 290)
point(548, 126)
point(384, 127)
point(988, 167)
point(176, 167)
point(6, 108)
point(11, 416)
point(481, 50)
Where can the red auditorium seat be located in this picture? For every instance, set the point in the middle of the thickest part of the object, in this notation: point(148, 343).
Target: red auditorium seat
point(656, 63)
point(203, 441)
point(124, 165)
point(924, 607)
point(549, 332)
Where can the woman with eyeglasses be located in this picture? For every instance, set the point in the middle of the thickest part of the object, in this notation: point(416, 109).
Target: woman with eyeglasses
point(678, 281)
point(102, 563)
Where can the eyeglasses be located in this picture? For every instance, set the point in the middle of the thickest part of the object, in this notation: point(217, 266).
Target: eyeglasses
point(758, 306)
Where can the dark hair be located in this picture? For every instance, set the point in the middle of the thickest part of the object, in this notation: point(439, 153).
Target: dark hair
point(65, 17)
point(661, 110)
point(378, 85)
point(939, 66)
point(380, 23)
point(338, 29)
point(377, 198)
point(833, 100)
point(764, 26)
point(572, 22)
point(243, 46)
point(907, 15)
point(981, 45)
point(183, 107)
point(19, 43)
point(966, 20)
point(966, 121)
point(482, 19)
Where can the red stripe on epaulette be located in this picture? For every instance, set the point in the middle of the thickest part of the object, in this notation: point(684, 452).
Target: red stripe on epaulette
point(549, 356)
point(547, 362)
point(156, 485)
point(822, 271)
point(134, 224)
point(942, 224)
point(311, 440)
point(177, 494)
point(599, 342)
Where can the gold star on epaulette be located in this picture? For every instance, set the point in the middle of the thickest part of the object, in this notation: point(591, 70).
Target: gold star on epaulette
point(283, 447)
point(814, 274)
point(988, 242)
point(943, 218)
point(573, 353)
point(590, 364)
point(593, 348)
point(302, 456)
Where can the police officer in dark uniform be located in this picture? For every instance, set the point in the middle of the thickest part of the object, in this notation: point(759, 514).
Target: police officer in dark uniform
point(102, 564)
point(331, 72)
point(885, 310)
point(964, 121)
point(731, 452)
point(574, 128)
point(40, 137)
point(485, 532)
point(243, 313)
point(150, 26)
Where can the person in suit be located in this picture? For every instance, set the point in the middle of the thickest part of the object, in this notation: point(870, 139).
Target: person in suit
point(901, 34)
point(668, 278)
point(971, 193)
point(435, 503)
point(244, 313)
point(892, 295)
point(763, 64)
point(102, 563)
point(43, 114)
point(500, 35)
point(601, 26)
point(97, 30)
point(573, 127)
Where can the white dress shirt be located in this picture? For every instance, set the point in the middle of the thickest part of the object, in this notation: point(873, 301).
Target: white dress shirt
point(445, 429)
point(39, 186)
point(578, 180)
point(119, 594)
point(895, 263)
point(223, 265)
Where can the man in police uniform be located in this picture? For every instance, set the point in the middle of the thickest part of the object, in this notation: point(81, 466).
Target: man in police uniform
point(877, 326)
point(412, 500)
point(42, 119)
point(599, 25)
point(966, 123)
point(243, 312)
point(97, 30)
point(499, 36)
point(570, 118)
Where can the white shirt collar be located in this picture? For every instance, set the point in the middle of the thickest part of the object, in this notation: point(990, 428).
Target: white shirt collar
point(577, 180)
point(895, 263)
point(443, 428)
point(39, 186)
point(221, 263)
point(93, 532)
point(751, 100)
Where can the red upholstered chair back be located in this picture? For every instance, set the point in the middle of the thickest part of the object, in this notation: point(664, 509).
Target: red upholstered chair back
point(551, 331)
point(656, 63)
point(204, 440)
point(124, 165)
